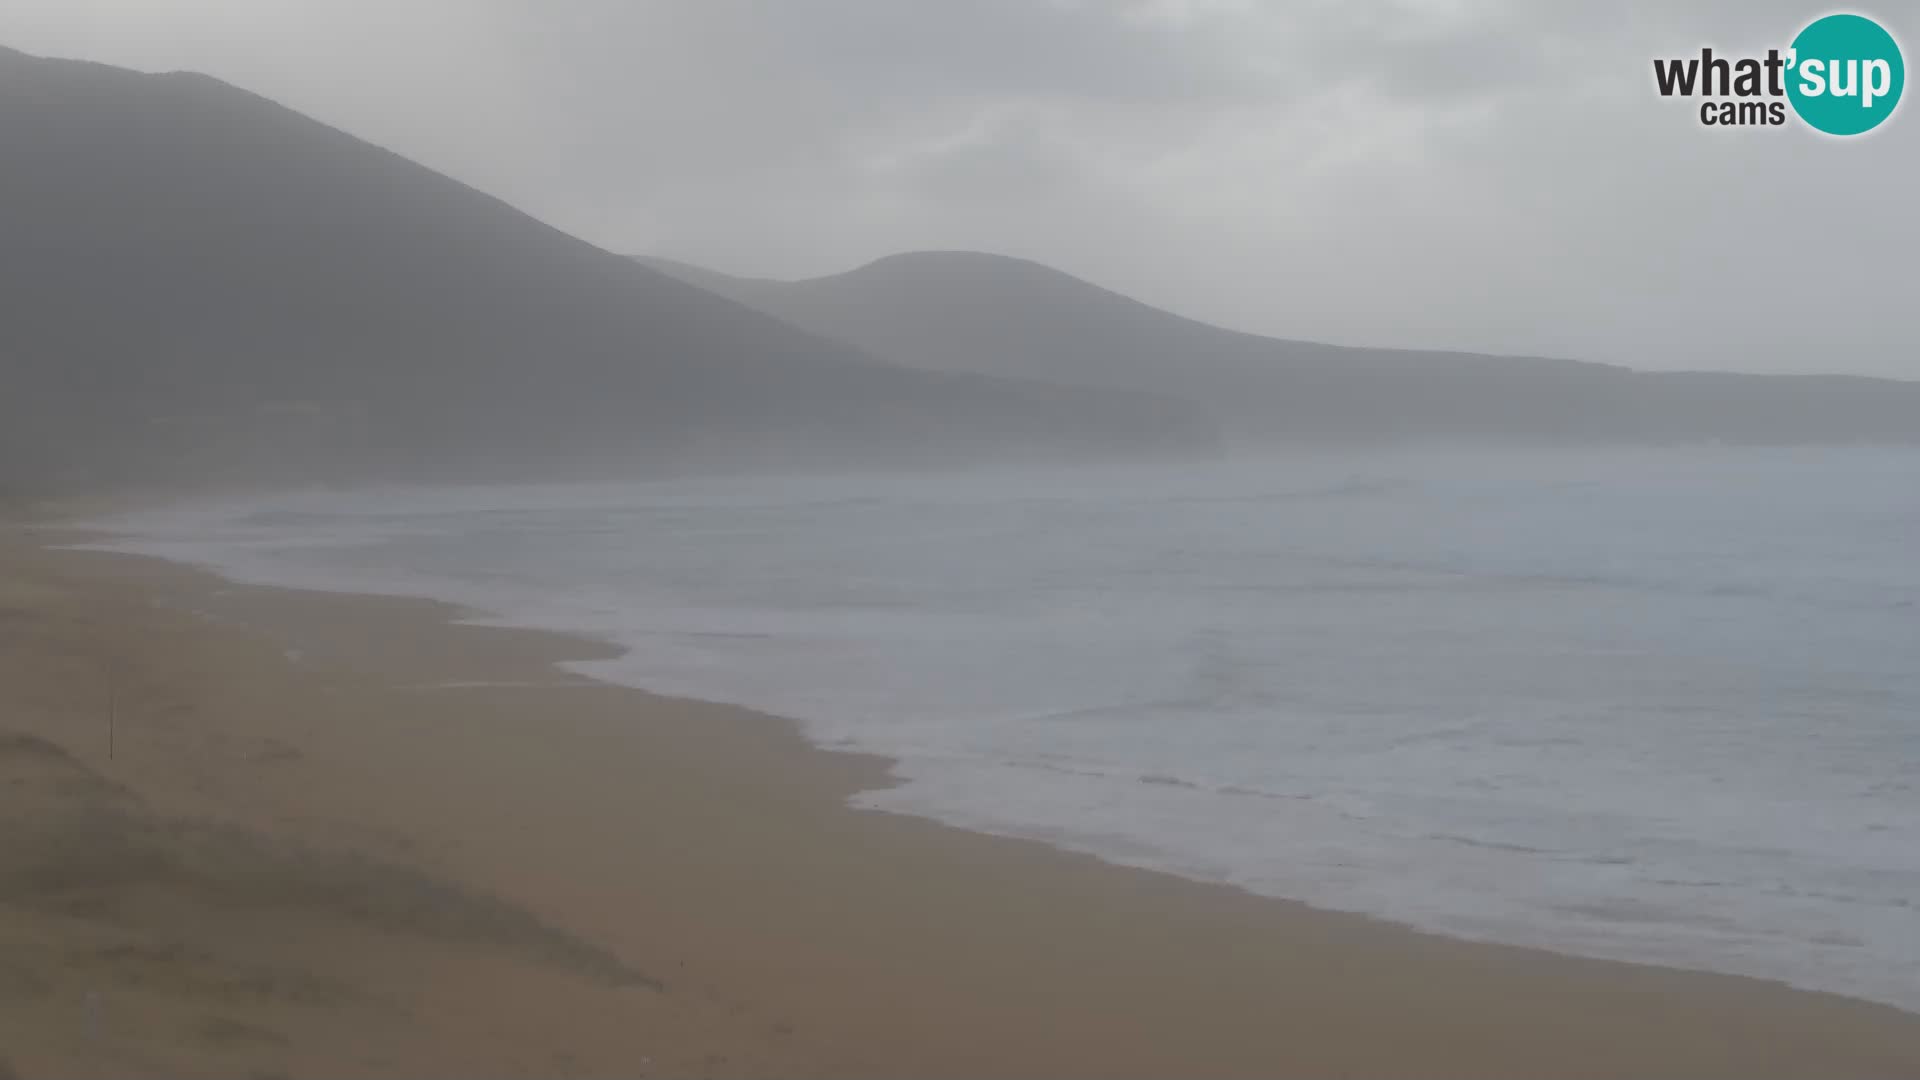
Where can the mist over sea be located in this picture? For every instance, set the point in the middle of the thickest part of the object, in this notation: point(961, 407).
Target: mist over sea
point(1657, 705)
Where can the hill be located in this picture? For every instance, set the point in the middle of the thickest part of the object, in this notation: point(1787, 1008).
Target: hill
point(964, 311)
point(199, 285)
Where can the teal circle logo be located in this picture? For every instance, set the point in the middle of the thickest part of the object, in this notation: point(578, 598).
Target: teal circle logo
point(1845, 74)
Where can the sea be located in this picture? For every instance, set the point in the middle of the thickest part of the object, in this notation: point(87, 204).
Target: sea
point(1657, 705)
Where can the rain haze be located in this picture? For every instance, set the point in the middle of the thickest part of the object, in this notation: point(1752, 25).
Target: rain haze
point(993, 538)
point(1458, 174)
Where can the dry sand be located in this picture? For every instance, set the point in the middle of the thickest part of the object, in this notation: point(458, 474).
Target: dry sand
point(313, 852)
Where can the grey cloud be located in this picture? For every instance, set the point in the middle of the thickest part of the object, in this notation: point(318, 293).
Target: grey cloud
point(1488, 174)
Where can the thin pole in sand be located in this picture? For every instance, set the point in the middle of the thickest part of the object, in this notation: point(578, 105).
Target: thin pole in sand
point(113, 716)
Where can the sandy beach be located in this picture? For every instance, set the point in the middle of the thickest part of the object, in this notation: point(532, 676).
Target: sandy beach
point(256, 832)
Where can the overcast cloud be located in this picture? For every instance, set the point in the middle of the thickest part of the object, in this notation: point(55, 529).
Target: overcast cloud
point(1478, 174)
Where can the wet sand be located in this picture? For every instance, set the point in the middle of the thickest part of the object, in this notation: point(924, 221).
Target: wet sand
point(253, 832)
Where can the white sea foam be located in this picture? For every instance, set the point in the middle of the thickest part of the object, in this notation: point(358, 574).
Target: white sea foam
point(1659, 706)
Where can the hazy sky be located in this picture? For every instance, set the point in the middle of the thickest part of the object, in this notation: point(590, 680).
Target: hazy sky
point(1481, 174)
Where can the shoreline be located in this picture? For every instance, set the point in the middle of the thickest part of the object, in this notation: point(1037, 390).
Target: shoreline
point(710, 848)
point(603, 666)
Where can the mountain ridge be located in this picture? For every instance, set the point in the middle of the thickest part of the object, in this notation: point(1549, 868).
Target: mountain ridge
point(201, 284)
point(972, 311)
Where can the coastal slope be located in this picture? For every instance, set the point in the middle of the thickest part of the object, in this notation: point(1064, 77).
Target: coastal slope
point(981, 313)
point(202, 286)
